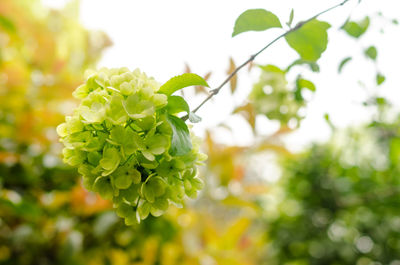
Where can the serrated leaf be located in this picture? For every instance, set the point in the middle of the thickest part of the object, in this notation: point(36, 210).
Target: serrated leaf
point(255, 20)
point(356, 28)
point(310, 40)
point(343, 63)
point(181, 81)
point(181, 143)
point(371, 52)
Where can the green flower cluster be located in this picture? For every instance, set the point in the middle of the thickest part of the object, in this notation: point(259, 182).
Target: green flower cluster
point(273, 97)
point(119, 138)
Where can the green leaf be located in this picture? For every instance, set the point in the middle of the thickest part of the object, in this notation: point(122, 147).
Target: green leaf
point(289, 23)
point(313, 65)
point(380, 79)
point(180, 143)
point(310, 40)
point(181, 81)
point(343, 63)
point(371, 52)
point(7, 24)
point(177, 104)
point(303, 83)
point(271, 68)
point(356, 28)
point(255, 20)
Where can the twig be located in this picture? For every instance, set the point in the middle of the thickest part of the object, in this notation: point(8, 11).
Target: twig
point(215, 91)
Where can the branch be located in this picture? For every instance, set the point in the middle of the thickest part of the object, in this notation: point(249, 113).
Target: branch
point(215, 91)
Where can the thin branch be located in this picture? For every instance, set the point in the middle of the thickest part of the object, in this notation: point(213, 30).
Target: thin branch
point(215, 91)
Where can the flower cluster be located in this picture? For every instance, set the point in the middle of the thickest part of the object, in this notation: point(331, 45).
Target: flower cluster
point(273, 97)
point(119, 138)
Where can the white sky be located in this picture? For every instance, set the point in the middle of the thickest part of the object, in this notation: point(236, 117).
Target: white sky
point(160, 36)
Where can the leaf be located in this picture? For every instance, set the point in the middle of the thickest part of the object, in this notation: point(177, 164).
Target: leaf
point(255, 20)
point(303, 83)
point(356, 28)
point(201, 89)
point(7, 24)
point(180, 143)
point(300, 84)
point(343, 63)
point(177, 104)
point(313, 65)
point(310, 40)
point(371, 52)
point(289, 23)
point(233, 81)
point(380, 79)
point(181, 81)
point(247, 111)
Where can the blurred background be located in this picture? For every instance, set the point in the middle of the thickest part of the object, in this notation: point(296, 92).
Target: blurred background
point(297, 173)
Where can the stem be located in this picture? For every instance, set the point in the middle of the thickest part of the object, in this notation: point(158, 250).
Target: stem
point(215, 91)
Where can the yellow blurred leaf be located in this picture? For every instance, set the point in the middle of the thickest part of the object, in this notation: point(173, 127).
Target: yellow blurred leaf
point(233, 81)
point(248, 112)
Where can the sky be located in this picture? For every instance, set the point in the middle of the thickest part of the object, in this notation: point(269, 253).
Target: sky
point(160, 36)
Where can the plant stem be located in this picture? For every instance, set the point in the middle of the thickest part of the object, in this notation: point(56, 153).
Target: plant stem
point(215, 91)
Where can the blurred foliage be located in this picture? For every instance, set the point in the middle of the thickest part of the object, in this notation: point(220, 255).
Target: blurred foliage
point(46, 216)
point(338, 202)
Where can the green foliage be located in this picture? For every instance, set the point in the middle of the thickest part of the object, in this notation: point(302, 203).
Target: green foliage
point(356, 28)
point(180, 143)
point(310, 40)
point(291, 16)
point(7, 24)
point(313, 65)
point(343, 63)
point(182, 81)
point(255, 20)
point(121, 135)
point(273, 97)
point(371, 52)
point(380, 78)
point(340, 201)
